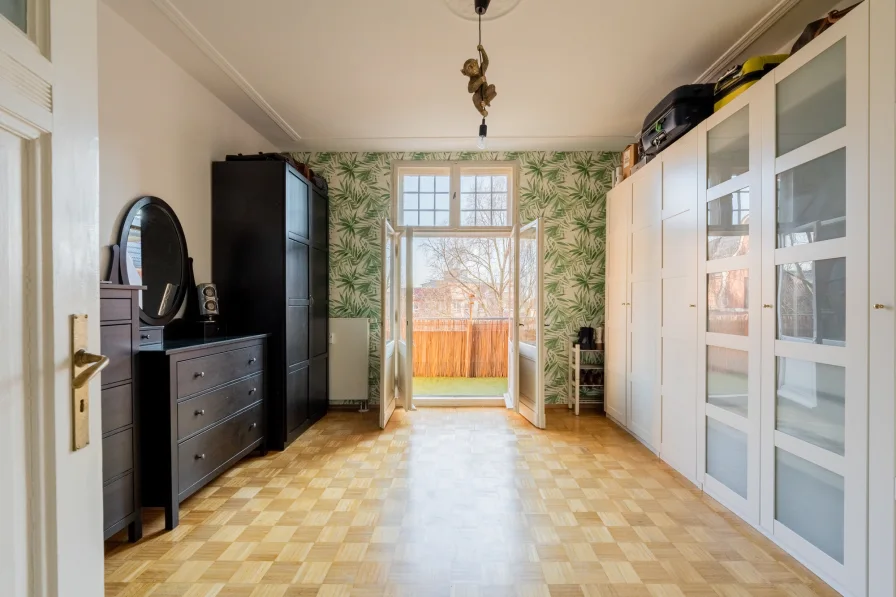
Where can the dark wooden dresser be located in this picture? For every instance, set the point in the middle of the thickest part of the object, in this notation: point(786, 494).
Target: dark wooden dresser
point(270, 260)
point(120, 341)
point(202, 410)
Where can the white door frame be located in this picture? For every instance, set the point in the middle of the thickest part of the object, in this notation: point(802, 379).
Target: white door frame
point(409, 320)
point(59, 253)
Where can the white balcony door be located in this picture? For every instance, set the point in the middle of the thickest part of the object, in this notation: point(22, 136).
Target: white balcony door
point(390, 280)
point(529, 290)
point(51, 505)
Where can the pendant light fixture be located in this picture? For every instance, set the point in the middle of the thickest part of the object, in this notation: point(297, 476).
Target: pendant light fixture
point(475, 70)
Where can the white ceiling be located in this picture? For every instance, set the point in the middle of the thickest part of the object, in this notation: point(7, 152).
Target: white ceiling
point(385, 74)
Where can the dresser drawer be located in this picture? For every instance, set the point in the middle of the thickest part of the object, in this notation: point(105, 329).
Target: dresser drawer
point(200, 455)
point(203, 373)
point(205, 410)
point(118, 454)
point(118, 500)
point(115, 309)
point(118, 407)
point(116, 343)
point(151, 335)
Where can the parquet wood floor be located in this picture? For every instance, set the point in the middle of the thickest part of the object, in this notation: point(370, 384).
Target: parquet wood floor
point(454, 503)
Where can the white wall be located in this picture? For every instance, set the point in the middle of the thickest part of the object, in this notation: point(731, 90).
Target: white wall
point(159, 132)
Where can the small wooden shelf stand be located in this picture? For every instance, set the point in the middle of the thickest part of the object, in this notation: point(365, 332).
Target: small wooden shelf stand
point(581, 393)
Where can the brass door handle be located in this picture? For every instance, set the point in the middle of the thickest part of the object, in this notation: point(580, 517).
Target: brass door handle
point(692, 306)
point(97, 363)
point(879, 306)
point(768, 306)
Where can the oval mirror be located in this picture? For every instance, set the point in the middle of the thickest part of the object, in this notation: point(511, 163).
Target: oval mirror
point(154, 255)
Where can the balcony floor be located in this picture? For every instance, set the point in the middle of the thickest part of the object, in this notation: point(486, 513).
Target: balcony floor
point(460, 386)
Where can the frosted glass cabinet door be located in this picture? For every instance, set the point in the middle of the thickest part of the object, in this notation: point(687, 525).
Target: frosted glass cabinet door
point(815, 299)
point(726, 456)
point(728, 225)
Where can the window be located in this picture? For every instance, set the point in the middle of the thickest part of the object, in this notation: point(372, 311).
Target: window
point(456, 195)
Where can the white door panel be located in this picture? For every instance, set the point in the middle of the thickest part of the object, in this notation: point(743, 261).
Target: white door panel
point(529, 256)
point(619, 202)
point(389, 282)
point(51, 511)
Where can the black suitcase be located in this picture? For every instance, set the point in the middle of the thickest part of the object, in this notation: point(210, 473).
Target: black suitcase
point(679, 112)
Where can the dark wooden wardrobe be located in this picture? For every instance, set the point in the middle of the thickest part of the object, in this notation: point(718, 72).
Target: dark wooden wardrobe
point(270, 261)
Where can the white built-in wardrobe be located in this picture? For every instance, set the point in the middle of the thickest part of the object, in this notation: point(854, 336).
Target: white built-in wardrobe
point(749, 304)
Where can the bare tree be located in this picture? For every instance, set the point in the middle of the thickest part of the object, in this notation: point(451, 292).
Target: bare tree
point(483, 267)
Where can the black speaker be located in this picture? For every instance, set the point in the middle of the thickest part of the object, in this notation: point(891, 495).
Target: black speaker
point(208, 300)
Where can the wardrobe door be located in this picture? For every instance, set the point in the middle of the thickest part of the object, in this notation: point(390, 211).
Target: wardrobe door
point(297, 397)
point(728, 337)
point(815, 290)
point(644, 282)
point(679, 306)
point(320, 263)
point(619, 206)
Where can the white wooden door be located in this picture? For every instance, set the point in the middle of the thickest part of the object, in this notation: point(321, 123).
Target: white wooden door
point(815, 289)
point(645, 310)
point(619, 206)
point(51, 509)
point(530, 285)
point(679, 306)
point(388, 321)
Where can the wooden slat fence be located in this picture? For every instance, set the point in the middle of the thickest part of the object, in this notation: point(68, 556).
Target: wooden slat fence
point(460, 347)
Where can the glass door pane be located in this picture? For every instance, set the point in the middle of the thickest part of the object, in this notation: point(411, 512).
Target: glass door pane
point(727, 379)
point(811, 102)
point(728, 225)
point(811, 403)
point(812, 301)
point(16, 11)
point(812, 201)
point(726, 456)
point(728, 148)
point(809, 501)
point(728, 303)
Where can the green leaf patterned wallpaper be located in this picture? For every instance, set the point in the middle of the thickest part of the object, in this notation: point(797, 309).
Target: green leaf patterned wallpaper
point(566, 189)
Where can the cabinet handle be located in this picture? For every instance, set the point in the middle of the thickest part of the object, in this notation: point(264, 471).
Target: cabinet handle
point(252, 360)
point(199, 457)
point(311, 300)
point(692, 306)
point(200, 374)
point(768, 306)
point(253, 425)
point(879, 306)
point(144, 336)
point(199, 412)
point(252, 391)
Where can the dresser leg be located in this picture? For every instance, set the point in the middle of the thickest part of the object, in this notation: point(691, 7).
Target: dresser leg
point(135, 530)
point(171, 517)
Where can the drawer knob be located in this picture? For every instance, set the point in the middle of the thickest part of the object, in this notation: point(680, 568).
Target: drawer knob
point(200, 412)
point(144, 336)
point(253, 425)
point(252, 360)
point(199, 457)
point(199, 374)
point(252, 391)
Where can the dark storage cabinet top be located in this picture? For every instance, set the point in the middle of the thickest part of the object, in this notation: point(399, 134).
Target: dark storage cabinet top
point(270, 260)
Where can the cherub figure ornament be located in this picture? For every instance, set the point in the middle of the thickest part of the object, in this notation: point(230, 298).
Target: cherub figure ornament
point(483, 93)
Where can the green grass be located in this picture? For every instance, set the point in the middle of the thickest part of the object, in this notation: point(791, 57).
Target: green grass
point(460, 386)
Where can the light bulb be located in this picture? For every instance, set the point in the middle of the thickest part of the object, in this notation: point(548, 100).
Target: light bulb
point(480, 143)
point(483, 133)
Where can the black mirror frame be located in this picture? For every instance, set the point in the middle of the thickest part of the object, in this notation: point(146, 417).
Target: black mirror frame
point(181, 295)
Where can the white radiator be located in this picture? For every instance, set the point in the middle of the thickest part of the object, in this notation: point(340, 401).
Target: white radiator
point(349, 354)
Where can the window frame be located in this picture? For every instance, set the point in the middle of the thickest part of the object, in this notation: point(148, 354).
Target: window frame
point(456, 169)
